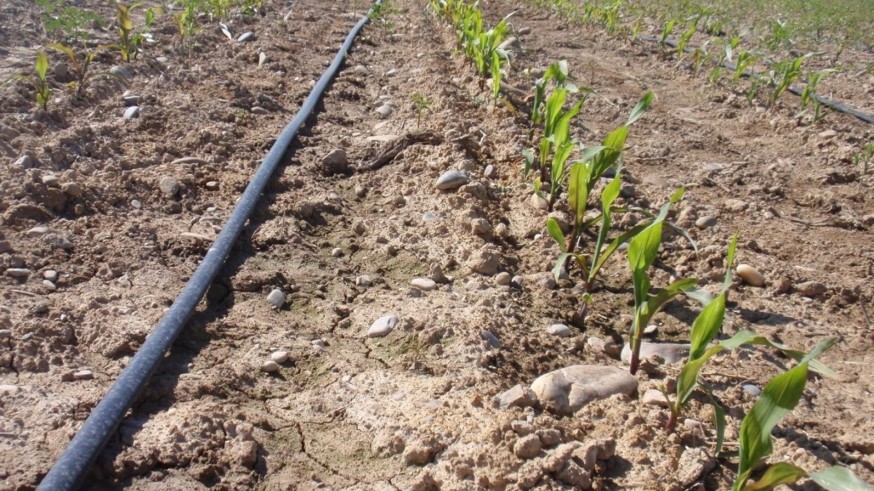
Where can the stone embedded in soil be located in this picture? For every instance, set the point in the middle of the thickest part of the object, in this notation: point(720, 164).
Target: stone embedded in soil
point(72, 189)
point(517, 396)
point(18, 272)
point(169, 186)
point(539, 203)
point(8, 389)
point(280, 356)
point(490, 338)
point(83, 375)
point(383, 326)
point(276, 298)
point(489, 171)
point(363, 280)
point(120, 71)
point(527, 447)
point(811, 289)
point(246, 37)
point(336, 252)
point(136, 203)
point(510, 43)
point(736, 205)
point(503, 279)
point(384, 111)
point(481, 226)
point(335, 162)
point(132, 112)
point(751, 389)
point(421, 452)
point(130, 100)
point(451, 179)
point(425, 284)
point(693, 465)
point(705, 222)
point(24, 162)
point(569, 389)
point(50, 275)
point(559, 330)
point(38, 231)
point(262, 58)
point(669, 352)
point(522, 428)
point(654, 397)
point(269, 366)
point(484, 262)
point(48, 284)
point(750, 275)
point(318, 343)
point(50, 180)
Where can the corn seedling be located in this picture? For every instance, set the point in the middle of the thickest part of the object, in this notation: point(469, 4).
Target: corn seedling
point(779, 35)
point(131, 38)
point(218, 9)
point(41, 85)
point(781, 76)
point(744, 60)
point(808, 94)
point(780, 397)
point(557, 73)
point(683, 42)
point(420, 104)
point(186, 20)
point(642, 251)
point(57, 16)
point(80, 66)
point(667, 29)
point(699, 57)
point(864, 158)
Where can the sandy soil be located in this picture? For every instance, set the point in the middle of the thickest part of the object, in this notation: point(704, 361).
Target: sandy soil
point(129, 207)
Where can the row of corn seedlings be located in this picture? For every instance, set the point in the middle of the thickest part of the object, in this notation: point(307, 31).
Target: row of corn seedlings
point(566, 167)
point(133, 23)
point(780, 74)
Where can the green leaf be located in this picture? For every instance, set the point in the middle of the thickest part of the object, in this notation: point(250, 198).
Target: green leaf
point(614, 245)
point(578, 192)
point(528, 154)
point(642, 106)
point(729, 263)
point(706, 326)
point(670, 292)
point(837, 478)
point(644, 247)
point(557, 235)
point(42, 65)
point(559, 263)
point(779, 473)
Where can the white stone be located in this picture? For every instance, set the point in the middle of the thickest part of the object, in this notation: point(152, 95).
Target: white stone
point(559, 330)
point(750, 275)
point(269, 366)
point(383, 326)
point(276, 298)
point(569, 389)
point(280, 356)
point(451, 179)
point(424, 284)
point(653, 397)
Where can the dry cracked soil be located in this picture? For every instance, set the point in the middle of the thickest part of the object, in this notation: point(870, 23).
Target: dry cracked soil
point(105, 218)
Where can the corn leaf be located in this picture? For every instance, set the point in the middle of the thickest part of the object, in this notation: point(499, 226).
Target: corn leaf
point(779, 473)
point(780, 396)
point(837, 478)
point(528, 154)
point(557, 235)
point(42, 65)
point(578, 192)
point(642, 106)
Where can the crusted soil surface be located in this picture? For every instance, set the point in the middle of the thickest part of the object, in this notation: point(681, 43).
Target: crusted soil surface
point(107, 218)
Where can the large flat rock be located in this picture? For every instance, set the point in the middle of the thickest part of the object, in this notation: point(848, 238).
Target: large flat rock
point(566, 390)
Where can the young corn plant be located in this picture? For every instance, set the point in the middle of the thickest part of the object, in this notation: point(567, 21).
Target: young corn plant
point(778, 399)
point(642, 251)
point(781, 76)
point(71, 21)
point(421, 104)
point(130, 38)
point(808, 94)
point(744, 60)
point(667, 29)
point(864, 158)
point(685, 38)
point(41, 85)
point(558, 74)
point(186, 21)
point(80, 66)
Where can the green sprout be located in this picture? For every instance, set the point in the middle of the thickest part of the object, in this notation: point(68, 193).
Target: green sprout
point(808, 94)
point(420, 104)
point(41, 86)
point(131, 38)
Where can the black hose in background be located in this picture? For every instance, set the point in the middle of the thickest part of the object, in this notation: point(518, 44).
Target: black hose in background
point(825, 101)
point(71, 468)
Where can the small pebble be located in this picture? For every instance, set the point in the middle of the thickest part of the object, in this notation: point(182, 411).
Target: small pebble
point(72, 189)
point(50, 180)
point(318, 343)
point(269, 366)
point(212, 185)
point(83, 375)
point(751, 390)
point(654, 397)
point(131, 100)
point(337, 252)
point(750, 275)
point(262, 58)
point(490, 171)
point(559, 330)
point(424, 284)
point(246, 36)
point(384, 110)
point(650, 329)
point(481, 226)
point(8, 389)
point(276, 298)
point(451, 179)
point(527, 447)
point(18, 272)
point(120, 71)
point(280, 356)
point(363, 280)
point(38, 231)
point(383, 326)
point(490, 338)
point(132, 112)
point(811, 289)
point(503, 278)
point(705, 222)
point(539, 203)
point(48, 284)
point(24, 162)
point(517, 282)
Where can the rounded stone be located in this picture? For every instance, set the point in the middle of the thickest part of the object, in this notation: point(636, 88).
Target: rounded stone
point(559, 330)
point(527, 447)
point(503, 278)
point(276, 298)
point(451, 179)
point(383, 326)
point(705, 222)
point(269, 366)
point(280, 356)
point(750, 275)
point(424, 284)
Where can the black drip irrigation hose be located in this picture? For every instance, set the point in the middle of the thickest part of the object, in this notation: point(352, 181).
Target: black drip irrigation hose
point(71, 468)
point(825, 101)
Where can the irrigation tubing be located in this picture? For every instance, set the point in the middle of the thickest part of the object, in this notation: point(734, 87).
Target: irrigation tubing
point(71, 468)
point(825, 101)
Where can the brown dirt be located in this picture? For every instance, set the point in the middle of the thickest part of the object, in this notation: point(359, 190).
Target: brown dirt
point(412, 410)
